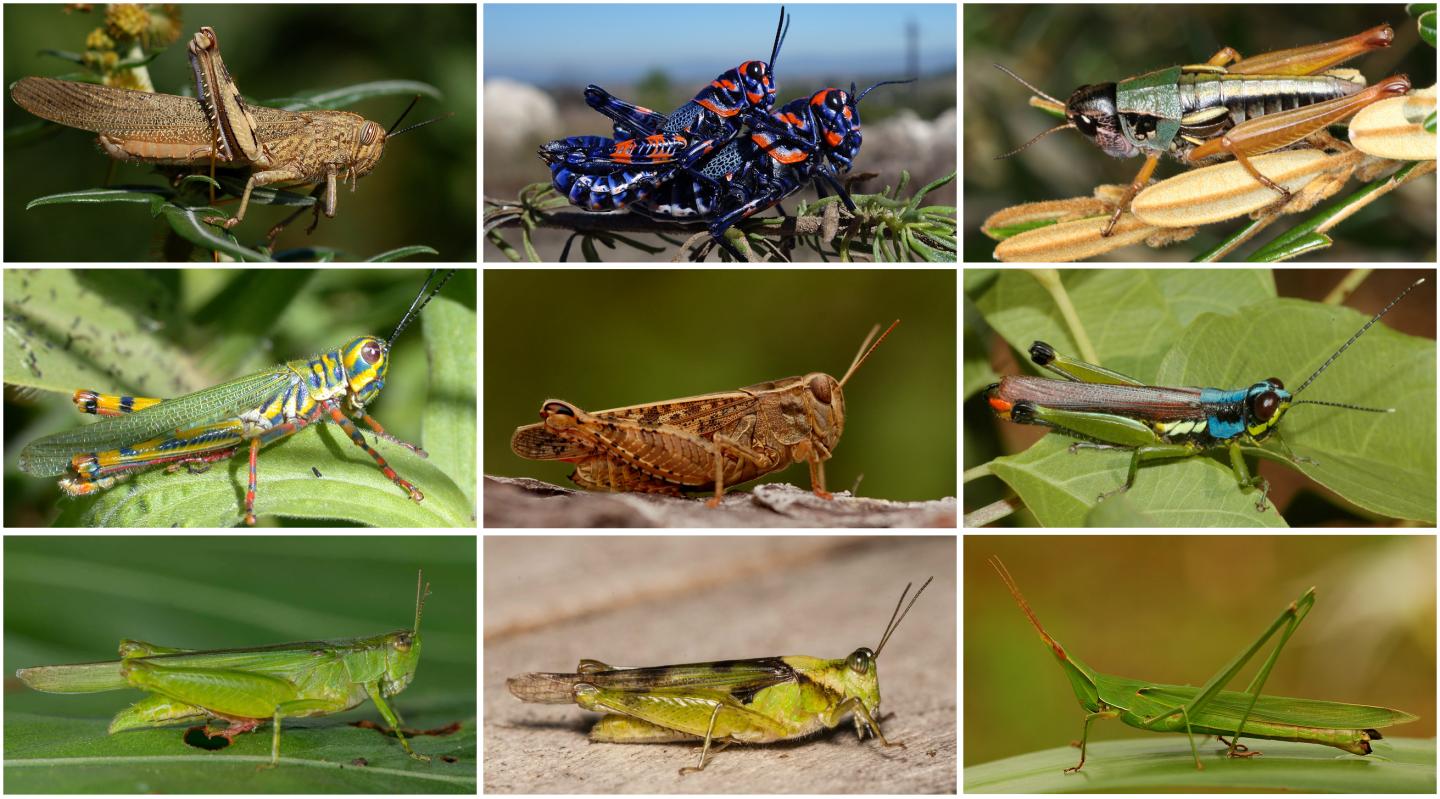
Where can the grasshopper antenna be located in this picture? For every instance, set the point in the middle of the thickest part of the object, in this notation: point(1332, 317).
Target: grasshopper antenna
point(1054, 104)
point(896, 617)
point(392, 132)
point(1346, 346)
point(416, 305)
point(781, 29)
point(865, 353)
point(420, 595)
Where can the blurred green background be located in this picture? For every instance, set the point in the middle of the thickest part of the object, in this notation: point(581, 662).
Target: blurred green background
point(1176, 609)
point(609, 338)
point(422, 191)
point(165, 333)
point(71, 599)
point(1060, 47)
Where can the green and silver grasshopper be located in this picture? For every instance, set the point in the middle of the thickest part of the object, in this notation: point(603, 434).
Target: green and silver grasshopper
point(246, 686)
point(1227, 106)
point(759, 700)
point(213, 424)
point(1109, 410)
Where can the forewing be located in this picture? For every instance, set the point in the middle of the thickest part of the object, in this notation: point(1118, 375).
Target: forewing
point(1228, 706)
point(702, 414)
point(727, 676)
point(120, 113)
point(536, 443)
point(50, 456)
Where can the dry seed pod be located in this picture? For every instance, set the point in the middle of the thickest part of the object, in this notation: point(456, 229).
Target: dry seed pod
point(1073, 241)
point(1392, 128)
point(1226, 191)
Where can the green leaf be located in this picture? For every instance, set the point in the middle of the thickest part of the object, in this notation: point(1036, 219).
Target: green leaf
point(401, 253)
point(1153, 765)
point(1062, 488)
point(449, 418)
point(186, 223)
point(141, 195)
point(351, 488)
point(1383, 462)
point(349, 95)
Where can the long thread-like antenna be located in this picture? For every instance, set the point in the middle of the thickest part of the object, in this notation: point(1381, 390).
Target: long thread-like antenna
point(420, 595)
point(417, 305)
point(863, 353)
point(1346, 346)
point(896, 617)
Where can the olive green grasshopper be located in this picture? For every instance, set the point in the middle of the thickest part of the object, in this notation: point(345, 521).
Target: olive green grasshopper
point(245, 686)
point(757, 700)
point(702, 442)
point(1211, 710)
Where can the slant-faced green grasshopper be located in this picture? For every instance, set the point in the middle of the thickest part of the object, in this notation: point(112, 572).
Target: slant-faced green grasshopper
point(1211, 710)
point(246, 686)
point(211, 425)
point(1228, 106)
point(1109, 410)
point(758, 700)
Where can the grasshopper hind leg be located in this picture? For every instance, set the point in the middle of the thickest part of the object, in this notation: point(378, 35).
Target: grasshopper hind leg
point(615, 728)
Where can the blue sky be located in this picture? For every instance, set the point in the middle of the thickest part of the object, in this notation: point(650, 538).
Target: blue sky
point(577, 44)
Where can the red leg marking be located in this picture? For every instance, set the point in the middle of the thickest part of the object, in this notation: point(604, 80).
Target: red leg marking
point(359, 439)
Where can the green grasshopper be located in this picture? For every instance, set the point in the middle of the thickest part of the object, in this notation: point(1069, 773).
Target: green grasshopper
point(763, 699)
point(247, 685)
point(1210, 710)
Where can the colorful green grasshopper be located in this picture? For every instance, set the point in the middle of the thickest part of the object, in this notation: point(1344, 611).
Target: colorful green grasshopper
point(759, 700)
point(246, 686)
point(1108, 410)
point(211, 425)
point(1211, 710)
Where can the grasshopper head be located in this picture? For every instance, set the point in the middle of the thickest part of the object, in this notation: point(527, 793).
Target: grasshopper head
point(368, 147)
point(402, 652)
point(366, 360)
point(1091, 110)
point(860, 676)
point(1265, 403)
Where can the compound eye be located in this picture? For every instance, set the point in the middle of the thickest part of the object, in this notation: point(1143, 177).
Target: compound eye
point(1274, 381)
point(835, 100)
point(820, 388)
point(557, 408)
point(859, 661)
point(1263, 406)
point(403, 643)
point(755, 70)
point(372, 352)
point(1086, 125)
point(368, 133)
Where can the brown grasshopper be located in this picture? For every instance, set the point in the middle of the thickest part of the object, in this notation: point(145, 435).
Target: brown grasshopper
point(218, 127)
point(702, 442)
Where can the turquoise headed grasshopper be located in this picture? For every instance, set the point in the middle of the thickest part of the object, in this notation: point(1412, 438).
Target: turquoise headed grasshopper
point(245, 686)
point(212, 425)
point(759, 700)
point(1108, 410)
point(1227, 106)
point(1211, 710)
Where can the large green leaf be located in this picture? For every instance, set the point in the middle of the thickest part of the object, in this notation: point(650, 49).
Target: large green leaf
point(1154, 765)
point(1383, 462)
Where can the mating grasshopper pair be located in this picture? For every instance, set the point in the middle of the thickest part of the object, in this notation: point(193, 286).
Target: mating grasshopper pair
point(247, 686)
point(1104, 409)
point(757, 700)
point(1229, 106)
point(217, 127)
point(213, 424)
point(702, 442)
point(1211, 710)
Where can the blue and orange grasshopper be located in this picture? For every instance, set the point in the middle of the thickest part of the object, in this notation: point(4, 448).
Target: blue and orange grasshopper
point(1104, 409)
point(212, 425)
